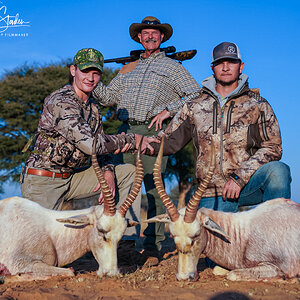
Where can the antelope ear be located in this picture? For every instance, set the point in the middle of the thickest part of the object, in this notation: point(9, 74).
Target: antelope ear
point(80, 220)
point(131, 223)
point(159, 219)
point(214, 227)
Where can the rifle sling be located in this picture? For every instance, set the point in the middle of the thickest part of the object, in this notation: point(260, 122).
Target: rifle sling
point(129, 67)
point(32, 138)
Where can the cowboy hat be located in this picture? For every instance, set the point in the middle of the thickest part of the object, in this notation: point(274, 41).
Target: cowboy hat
point(150, 22)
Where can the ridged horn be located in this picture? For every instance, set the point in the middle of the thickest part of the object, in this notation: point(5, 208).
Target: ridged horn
point(192, 207)
point(138, 180)
point(171, 208)
point(109, 202)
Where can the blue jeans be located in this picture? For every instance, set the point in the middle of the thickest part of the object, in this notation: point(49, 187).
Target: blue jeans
point(270, 181)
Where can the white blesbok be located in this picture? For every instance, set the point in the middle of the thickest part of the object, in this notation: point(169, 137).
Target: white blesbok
point(39, 241)
point(261, 243)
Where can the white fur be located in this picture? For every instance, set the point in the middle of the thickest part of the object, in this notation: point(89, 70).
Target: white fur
point(32, 240)
point(260, 243)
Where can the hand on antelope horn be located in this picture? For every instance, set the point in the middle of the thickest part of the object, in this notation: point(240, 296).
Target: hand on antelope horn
point(110, 179)
point(146, 143)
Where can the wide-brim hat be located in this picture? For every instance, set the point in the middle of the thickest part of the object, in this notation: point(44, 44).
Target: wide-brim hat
point(150, 22)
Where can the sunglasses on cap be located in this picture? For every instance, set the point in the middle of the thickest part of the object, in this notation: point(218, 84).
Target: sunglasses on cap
point(150, 22)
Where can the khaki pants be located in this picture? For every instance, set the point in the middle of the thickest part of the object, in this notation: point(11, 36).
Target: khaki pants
point(78, 189)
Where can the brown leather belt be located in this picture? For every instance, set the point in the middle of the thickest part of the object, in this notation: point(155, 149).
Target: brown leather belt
point(46, 173)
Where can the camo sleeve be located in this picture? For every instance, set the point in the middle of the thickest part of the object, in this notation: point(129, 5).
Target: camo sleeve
point(72, 126)
point(178, 133)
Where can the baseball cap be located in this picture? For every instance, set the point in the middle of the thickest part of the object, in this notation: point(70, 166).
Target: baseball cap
point(88, 58)
point(226, 50)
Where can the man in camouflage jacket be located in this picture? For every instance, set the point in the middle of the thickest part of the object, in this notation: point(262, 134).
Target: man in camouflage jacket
point(57, 170)
point(245, 132)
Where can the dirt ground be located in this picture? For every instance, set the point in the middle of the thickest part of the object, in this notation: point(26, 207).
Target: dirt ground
point(145, 283)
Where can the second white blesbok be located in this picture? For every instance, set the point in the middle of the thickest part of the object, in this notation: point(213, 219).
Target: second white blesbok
point(261, 243)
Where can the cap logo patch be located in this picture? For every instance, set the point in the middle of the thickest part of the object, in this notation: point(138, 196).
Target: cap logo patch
point(92, 57)
point(231, 49)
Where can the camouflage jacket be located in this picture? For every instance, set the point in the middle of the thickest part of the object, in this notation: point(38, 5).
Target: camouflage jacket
point(245, 132)
point(66, 133)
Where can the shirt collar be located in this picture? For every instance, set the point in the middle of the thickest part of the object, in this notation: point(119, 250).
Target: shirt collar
point(153, 56)
point(87, 103)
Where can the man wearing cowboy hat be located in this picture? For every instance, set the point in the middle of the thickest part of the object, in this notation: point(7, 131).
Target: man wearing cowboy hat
point(148, 91)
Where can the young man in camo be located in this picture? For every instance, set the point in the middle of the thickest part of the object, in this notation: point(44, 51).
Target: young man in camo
point(58, 169)
point(245, 133)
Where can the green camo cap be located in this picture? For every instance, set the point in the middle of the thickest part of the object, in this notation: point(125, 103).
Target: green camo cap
point(88, 58)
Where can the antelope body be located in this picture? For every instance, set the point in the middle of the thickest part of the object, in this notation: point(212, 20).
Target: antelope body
point(37, 240)
point(257, 244)
point(33, 241)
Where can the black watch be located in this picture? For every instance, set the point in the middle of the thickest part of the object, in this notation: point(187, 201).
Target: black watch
point(234, 176)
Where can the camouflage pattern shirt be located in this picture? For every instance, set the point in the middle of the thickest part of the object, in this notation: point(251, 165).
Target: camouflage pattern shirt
point(245, 132)
point(66, 133)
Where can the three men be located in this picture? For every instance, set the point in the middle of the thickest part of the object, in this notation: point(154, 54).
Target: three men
point(56, 170)
point(245, 132)
point(147, 92)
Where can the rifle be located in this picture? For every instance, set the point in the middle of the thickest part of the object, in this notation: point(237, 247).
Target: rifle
point(135, 54)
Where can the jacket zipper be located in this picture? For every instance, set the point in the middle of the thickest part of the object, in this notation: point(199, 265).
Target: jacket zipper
point(263, 123)
point(215, 115)
point(221, 144)
point(228, 122)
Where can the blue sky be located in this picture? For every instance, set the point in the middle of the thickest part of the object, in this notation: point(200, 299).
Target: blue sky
point(267, 33)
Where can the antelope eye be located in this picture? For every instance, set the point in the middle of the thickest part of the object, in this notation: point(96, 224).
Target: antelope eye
point(101, 232)
point(195, 236)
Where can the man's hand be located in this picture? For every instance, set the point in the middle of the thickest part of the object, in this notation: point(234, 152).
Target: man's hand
point(159, 119)
point(231, 190)
point(110, 179)
point(146, 143)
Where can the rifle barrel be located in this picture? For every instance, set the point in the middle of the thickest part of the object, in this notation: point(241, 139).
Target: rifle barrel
point(135, 54)
point(120, 60)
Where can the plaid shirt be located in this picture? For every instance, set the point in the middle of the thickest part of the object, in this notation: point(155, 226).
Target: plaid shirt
point(156, 82)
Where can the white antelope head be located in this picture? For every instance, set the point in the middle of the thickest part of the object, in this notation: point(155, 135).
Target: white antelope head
point(108, 223)
point(185, 228)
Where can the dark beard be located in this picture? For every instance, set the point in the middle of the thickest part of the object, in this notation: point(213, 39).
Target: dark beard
point(223, 83)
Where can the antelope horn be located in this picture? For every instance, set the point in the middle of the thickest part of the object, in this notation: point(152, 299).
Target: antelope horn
point(139, 176)
point(109, 202)
point(171, 208)
point(191, 209)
